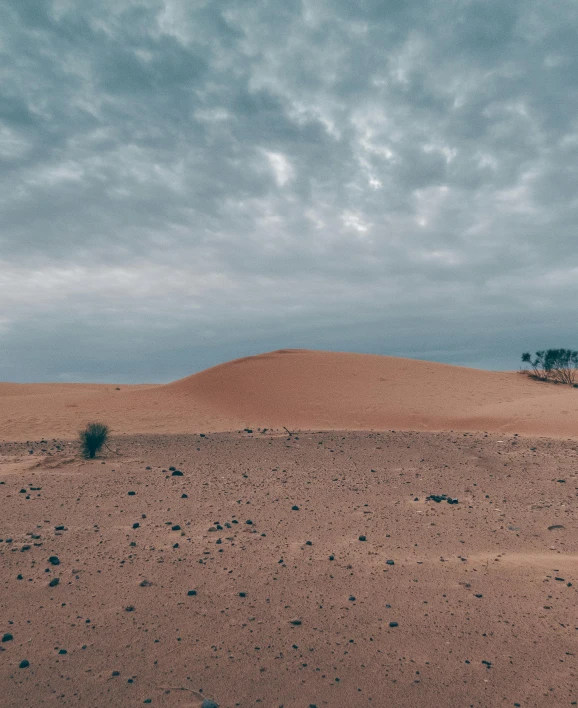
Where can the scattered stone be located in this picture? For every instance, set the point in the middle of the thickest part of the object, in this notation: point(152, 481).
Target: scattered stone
point(390, 562)
point(295, 622)
point(393, 624)
point(131, 494)
point(207, 703)
point(555, 526)
point(295, 508)
point(352, 598)
point(191, 593)
point(54, 582)
point(176, 527)
point(145, 583)
point(54, 560)
point(177, 473)
point(436, 498)
point(24, 664)
point(7, 637)
point(136, 525)
point(184, 496)
point(363, 538)
point(129, 608)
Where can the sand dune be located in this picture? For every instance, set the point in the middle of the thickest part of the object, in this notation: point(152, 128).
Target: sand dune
point(300, 389)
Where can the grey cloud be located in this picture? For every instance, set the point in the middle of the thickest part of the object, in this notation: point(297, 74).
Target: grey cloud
point(222, 177)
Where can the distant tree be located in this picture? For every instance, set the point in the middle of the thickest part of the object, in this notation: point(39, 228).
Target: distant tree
point(92, 438)
point(558, 365)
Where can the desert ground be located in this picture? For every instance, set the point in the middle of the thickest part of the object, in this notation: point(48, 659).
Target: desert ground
point(292, 529)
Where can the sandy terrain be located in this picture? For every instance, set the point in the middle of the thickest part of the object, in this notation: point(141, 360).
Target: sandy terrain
point(292, 570)
point(300, 389)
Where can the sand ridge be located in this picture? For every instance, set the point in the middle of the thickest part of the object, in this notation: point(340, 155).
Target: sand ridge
point(300, 389)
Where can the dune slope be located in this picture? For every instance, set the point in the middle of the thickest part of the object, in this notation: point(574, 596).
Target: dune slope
point(301, 389)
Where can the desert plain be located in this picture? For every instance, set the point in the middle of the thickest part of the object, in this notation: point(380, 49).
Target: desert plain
point(293, 529)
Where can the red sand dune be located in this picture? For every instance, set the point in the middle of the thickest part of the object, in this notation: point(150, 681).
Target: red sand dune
point(301, 389)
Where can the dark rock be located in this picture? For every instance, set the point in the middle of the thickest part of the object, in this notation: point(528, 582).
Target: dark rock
point(249, 522)
point(131, 494)
point(296, 622)
point(436, 498)
point(393, 624)
point(295, 508)
point(62, 651)
point(177, 473)
point(209, 704)
point(191, 593)
point(7, 637)
point(363, 538)
point(352, 598)
point(390, 562)
point(136, 525)
point(555, 526)
point(24, 664)
point(60, 528)
point(176, 527)
point(242, 594)
point(184, 496)
point(54, 582)
point(54, 560)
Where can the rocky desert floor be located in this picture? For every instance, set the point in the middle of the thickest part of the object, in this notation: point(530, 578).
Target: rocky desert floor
point(260, 568)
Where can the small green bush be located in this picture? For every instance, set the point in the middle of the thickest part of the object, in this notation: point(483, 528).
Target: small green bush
point(557, 365)
point(92, 438)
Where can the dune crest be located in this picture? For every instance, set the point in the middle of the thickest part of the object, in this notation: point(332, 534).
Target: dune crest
point(301, 389)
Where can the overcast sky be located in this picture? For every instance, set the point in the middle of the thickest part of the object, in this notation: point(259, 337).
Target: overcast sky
point(185, 182)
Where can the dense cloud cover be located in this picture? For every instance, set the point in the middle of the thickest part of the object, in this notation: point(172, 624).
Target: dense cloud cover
point(187, 181)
